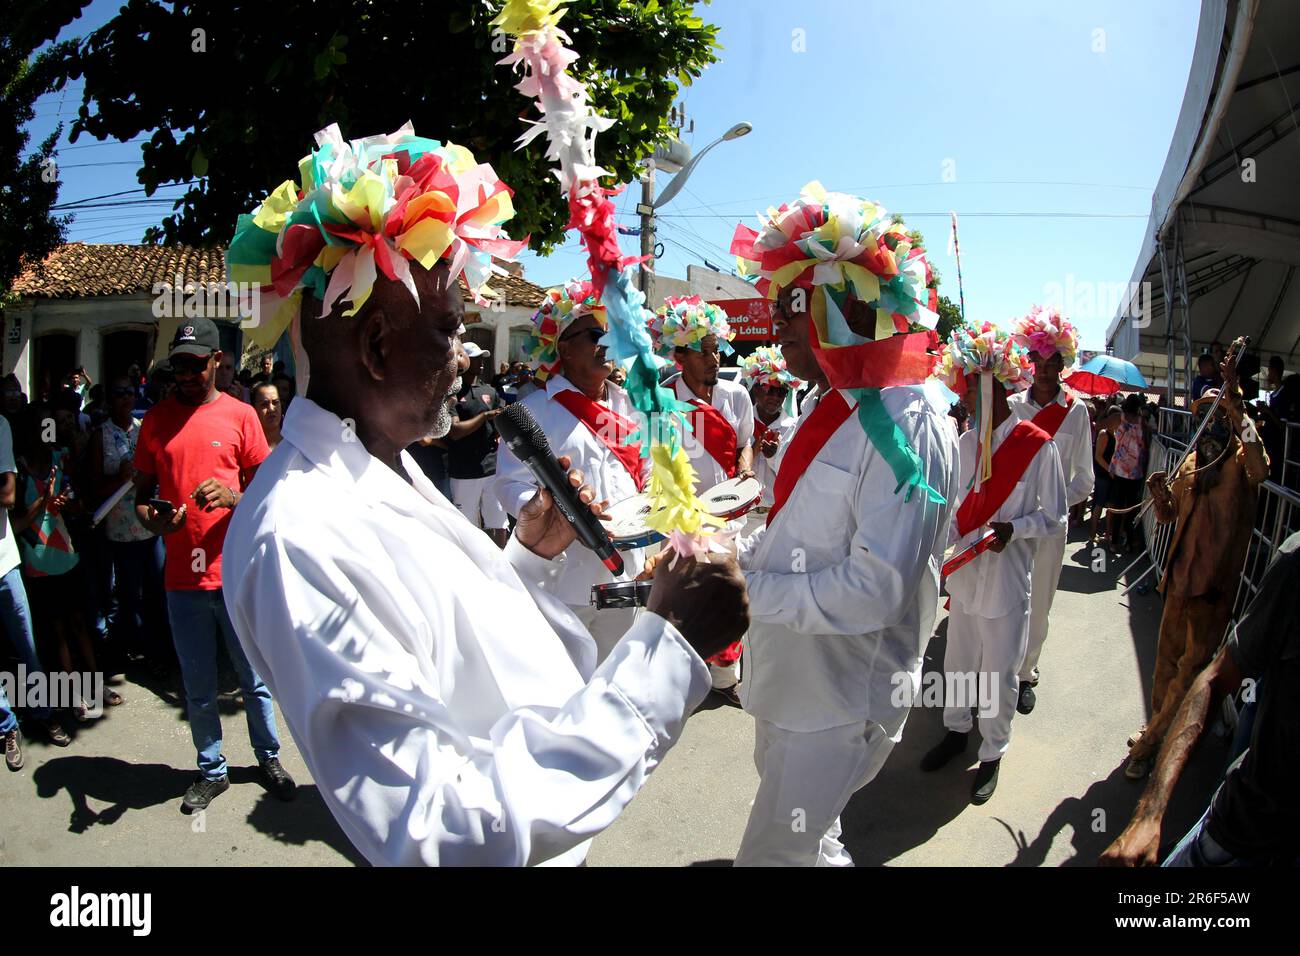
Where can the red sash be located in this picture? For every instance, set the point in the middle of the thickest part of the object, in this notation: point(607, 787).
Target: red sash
point(600, 421)
point(1051, 415)
point(829, 415)
point(761, 432)
point(1009, 463)
point(717, 434)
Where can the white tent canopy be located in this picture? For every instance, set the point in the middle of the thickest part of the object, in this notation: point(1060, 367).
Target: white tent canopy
point(1223, 243)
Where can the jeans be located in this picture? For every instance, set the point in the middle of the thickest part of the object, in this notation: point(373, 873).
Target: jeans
point(142, 605)
point(1199, 849)
point(17, 617)
point(197, 618)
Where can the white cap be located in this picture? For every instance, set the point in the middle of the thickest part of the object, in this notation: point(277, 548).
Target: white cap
point(473, 351)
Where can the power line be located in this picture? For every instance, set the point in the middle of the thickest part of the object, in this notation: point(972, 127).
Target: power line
point(979, 215)
point(112, 142)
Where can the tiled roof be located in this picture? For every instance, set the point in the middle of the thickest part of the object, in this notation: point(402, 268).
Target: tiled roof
point(78, 269)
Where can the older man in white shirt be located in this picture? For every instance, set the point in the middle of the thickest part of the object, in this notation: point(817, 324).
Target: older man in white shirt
point(771, 388)
point(586, 417)
point(1060, 413)
point(843, 589)
point(422, 671)
point(1022, 500)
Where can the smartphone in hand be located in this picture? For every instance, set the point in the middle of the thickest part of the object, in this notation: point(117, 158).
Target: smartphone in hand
point(164, 507)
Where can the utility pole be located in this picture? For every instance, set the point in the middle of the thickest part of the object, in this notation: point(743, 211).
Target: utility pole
point(646, 209)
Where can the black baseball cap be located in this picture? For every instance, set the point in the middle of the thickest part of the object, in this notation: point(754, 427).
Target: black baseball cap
point(195, 336)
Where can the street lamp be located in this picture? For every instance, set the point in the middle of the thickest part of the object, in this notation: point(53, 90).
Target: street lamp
point(646, 208)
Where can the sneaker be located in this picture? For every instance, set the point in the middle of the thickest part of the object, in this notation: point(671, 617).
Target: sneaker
point(14, 750)
point(986, 781)
point(277, 779)
point(202, 792)
point(1025, 705)
point(952, 744)
point(55, 732)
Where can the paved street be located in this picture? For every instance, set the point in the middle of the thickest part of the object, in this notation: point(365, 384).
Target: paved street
point(112, 798)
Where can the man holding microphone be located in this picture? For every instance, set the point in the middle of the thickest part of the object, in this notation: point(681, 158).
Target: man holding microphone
point(422, 670)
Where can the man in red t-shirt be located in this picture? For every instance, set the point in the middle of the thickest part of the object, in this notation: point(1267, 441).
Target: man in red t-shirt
point(200, 448)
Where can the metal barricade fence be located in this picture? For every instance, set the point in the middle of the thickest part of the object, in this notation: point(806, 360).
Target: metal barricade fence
point(1277, 517)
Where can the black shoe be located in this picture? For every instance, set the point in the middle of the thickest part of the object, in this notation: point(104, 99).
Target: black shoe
point(14, 750)
point(277, 779)
point(1025, 705)
point(202, 792)
point(986, 781)
point(730, 694)
point(952, 744)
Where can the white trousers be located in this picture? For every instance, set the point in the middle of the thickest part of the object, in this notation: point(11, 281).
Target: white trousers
point(805, 781)
point(472, 497)
point(1048, 554)
point(984, 653)
point(606, 626)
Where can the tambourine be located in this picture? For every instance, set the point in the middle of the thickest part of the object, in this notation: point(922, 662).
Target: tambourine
point(619, 594)
point(732, 498)
point(626, 526)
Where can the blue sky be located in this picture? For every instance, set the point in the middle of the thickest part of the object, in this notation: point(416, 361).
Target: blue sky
point(1061, 112)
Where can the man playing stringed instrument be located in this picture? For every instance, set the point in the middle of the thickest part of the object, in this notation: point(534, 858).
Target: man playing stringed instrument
point(695, 333)
point(587, 417)
point(1011, 482)
point(1053, 344)
point(1212, 498)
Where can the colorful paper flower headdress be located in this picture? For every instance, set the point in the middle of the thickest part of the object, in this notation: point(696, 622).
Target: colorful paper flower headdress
point(561, 307)
point(365, 207)
point(987, 349)
point(843, 249)
point(766, 366)
point(684, 321)
point(1045, 331)
point(989, 353)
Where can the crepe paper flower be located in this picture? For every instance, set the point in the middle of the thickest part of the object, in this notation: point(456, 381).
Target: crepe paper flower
point(986, 349)
point(698, 547)
point(989, 353)
point(685, 321)
point(848, 253)
point(673, 503)
point(560, 308)
point(840, 247)
point(766, 366)
point(1044, 331)
point(365, 207)
point(563, 104)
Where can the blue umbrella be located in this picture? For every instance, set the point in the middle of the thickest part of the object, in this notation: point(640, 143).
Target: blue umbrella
point(1126, 373)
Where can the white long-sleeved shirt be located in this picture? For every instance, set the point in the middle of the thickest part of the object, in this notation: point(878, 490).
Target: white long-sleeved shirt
point(423, 672)
point(765, 469)
point(996, 584)
point(1073, 442)
point(737, 408)
point(844, 583)
point(514, 484)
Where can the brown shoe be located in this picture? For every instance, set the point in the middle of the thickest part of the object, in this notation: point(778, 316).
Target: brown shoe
point(54, 730)
point(14, 750)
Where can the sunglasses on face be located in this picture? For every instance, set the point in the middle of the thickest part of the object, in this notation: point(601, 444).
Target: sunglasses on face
point(593, 333)
point(189, 364)
point(121, 392)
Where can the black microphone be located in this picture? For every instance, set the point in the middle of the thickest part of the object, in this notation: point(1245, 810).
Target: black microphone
point(527, 441)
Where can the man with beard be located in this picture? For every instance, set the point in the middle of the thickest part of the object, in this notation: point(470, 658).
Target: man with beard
point(201, 447)
point(586, 417)
point(1212, 498)
point(1053, 343)
point(422, 670)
